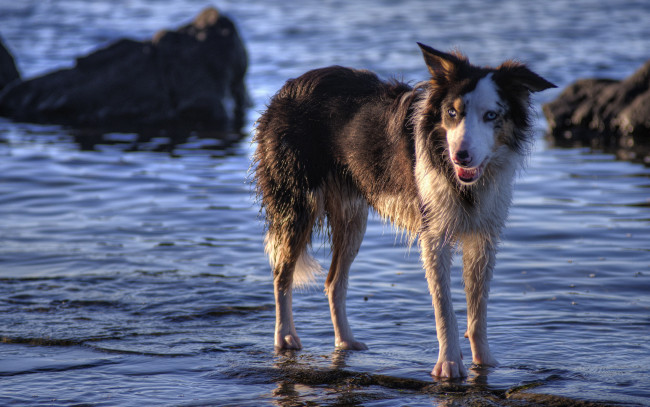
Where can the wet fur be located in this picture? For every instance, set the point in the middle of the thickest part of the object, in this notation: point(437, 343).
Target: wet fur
point(337, 141)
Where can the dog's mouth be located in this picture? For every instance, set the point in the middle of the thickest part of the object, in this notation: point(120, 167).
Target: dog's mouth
point(469, 175)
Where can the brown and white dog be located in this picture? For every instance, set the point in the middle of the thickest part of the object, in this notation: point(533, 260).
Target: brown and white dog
point(437, 160)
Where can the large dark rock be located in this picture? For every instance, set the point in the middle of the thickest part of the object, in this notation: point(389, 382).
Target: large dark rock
point(8, 71)
point(191, 78)
point(605, 114)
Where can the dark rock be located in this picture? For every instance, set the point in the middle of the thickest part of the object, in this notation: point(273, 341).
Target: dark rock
point(8, 71)
point(191, 78)
point(605, 114)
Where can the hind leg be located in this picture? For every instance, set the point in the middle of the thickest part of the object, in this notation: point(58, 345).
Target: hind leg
point(285, 248)
point(348, 225)
point(286, 336)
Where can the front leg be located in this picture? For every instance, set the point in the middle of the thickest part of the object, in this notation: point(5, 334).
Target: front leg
point(436, 256)
point(479, 254)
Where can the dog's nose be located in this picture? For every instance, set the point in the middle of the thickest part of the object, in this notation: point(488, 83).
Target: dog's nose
point(462, 158)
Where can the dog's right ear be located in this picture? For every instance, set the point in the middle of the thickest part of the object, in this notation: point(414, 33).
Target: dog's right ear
point(442, 66)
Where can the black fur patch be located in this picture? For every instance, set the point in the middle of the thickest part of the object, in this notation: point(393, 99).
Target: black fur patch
point(335, 122)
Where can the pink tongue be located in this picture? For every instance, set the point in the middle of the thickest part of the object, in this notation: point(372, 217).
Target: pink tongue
point(466, 173)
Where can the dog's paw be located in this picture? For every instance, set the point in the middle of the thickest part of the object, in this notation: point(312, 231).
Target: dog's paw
point(291, 341)
point(351, 345)
point(485, 359)
point(449, 369)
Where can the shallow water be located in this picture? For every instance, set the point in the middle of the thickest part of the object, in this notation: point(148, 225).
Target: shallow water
point(132, 272)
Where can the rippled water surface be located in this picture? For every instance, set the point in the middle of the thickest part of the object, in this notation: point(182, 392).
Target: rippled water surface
point(132, 271)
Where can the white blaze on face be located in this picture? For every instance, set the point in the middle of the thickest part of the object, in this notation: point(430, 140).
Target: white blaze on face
point(474, 135)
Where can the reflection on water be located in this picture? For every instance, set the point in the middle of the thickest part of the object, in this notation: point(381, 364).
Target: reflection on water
point(165, 142)
point(132, 268)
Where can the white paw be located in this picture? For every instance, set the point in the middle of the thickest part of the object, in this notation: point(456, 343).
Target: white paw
point(481, 354)
point(290, 341)
point(351, 345)
point(449, 369)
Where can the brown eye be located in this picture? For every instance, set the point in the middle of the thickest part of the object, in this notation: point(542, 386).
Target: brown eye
point(452, 113)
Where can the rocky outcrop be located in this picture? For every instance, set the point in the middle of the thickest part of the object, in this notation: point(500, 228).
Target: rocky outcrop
point(605, 114)
point(8, 71)
point(191, 78)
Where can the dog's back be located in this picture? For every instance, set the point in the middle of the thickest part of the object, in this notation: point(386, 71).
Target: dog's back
point(295, 149)
point(338, 126)
point(306, 118)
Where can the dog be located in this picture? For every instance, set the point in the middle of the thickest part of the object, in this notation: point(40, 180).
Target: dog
point(437, 160)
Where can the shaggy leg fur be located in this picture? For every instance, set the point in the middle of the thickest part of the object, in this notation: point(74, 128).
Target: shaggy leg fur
point(347, 217)
point(286, 250)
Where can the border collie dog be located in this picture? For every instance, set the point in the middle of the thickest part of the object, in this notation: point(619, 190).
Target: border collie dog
point(437, 160)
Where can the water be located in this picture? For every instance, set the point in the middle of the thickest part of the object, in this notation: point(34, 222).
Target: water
point(132, 272)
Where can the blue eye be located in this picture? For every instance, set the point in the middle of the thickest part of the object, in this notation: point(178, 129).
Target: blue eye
point(451, 113)
point(489, 116)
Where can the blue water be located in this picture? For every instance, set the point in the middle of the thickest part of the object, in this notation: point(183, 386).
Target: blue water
point(132, 272)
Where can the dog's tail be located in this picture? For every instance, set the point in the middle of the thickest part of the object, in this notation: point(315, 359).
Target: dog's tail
point(306, 267)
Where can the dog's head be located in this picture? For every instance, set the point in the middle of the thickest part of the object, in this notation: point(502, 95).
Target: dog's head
point(480, 110)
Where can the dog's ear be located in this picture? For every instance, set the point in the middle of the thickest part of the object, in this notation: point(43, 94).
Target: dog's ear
point(519, 76)
point(442, 66)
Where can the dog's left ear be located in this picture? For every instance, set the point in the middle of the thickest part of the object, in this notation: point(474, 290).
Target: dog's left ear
point(442, 66)
point(518, 75)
